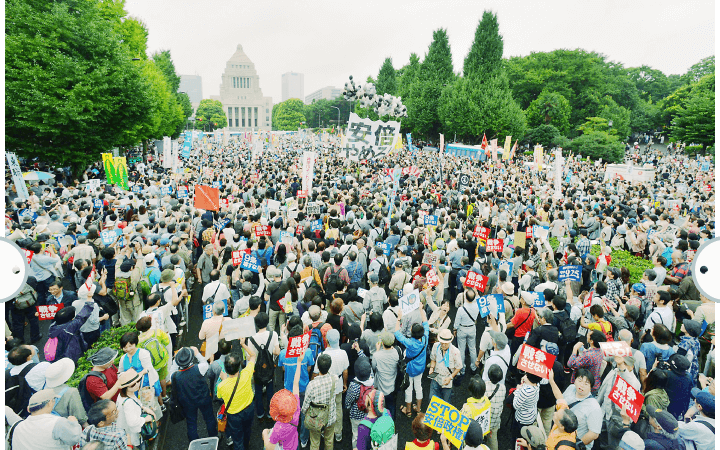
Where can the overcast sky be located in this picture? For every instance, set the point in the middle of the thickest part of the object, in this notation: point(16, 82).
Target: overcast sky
point(329, 40)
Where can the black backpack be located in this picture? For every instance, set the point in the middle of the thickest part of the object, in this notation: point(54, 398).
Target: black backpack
point(265, 365)
point(567, 328)
point(334, 283)
point(17, 391)
point(534, 281)
point(85, 396)
point(262, 259)
point(383, 274)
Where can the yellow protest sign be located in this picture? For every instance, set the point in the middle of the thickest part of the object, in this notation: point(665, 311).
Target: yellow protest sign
point(446, 419)
point(506, 152)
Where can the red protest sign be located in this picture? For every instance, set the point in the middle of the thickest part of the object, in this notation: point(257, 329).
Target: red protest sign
point(29, 255)
point(225, 203)
point(624, 394)
point(47, 312)
point(262, 230)
point(481, 232)
point(528, 232)
point(432, 278)
point(207, 197)
point(426, 240)
point(302, 194)
point(535, 361)
point(494, 245)
point(237, 257)
point(616, 348)
point(476, 280)
point(297, 344)
point(299, 229)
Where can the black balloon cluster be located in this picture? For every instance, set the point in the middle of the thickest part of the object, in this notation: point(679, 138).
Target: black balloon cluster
point(366, 94)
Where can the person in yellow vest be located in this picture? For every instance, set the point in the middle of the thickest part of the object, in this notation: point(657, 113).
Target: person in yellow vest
point(477, 406)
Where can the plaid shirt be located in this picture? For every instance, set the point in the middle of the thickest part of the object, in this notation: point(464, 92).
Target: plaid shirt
point(112, 436)
point(321, 392)
point(583, 246)
point(614, 289)
point(589, 359)
point(496, 403)
point(681, 270)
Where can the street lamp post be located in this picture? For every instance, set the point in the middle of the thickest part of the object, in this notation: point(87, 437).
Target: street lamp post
point(338, 122)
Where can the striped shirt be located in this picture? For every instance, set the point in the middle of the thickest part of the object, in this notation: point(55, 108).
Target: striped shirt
point(525, 403)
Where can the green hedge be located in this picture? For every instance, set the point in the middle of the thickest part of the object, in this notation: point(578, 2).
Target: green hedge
point(620, 258)
point(109, 338)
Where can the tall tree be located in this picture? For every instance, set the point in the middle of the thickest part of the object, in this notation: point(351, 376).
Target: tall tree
point(706, 66)
point(694, 119)
point(386, 82)
point(164, 62)
point(485, 56)
point(288, 115)
point(210, 115)
point(550, 108)
point(407, 84)
point(436, 72)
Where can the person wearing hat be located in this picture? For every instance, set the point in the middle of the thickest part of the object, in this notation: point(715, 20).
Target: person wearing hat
point(446, 362)
point(101, 380)
point(664, 432)
point(680, 384)
point(360, 385)
point(151, 268)
point(42, 429)
point(128, 271)
point(130, 409)
point(385, 366)
point(690, 345)
point(285, 411)
point(399, 278)
point(188, 381)
point(700, 431)
point(631, 441)
point(531, 438)
point(69, 402)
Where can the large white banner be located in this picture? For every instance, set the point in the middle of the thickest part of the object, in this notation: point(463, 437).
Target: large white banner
point(308, 162)
point(174, 155)
point(369, 139)
point(17, 176)
point(226, 136)
point(628, 172)
point(167, 153)
point(558, 172)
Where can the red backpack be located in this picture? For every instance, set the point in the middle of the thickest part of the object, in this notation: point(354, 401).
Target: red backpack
point(361, 398)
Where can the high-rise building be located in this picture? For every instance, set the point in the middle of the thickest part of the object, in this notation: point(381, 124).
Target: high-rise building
point(328, 93)
point(192, 86)
point(293, 86)
point(240, 94)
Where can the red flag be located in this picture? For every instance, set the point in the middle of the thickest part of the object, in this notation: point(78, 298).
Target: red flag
point(484, 142)
point(207, 197)
point(512, 152)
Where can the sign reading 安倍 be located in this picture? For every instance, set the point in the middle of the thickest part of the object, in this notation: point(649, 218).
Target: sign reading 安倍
point(368, 139)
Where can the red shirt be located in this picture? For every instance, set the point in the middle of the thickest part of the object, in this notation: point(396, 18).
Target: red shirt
point(519, 321)
point(96, 387)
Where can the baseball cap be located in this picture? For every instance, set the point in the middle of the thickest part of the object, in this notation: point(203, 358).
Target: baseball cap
point(500, 339)
point(387, 338)
point(705, 400)
point(664, 419)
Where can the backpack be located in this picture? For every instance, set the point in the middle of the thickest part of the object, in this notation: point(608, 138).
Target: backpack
point(567, 328)
point(17, 390)
point(383, 274)
point(50, 350)
point(534, 281)
point(158, 352)
point(361, 397)
point(265, 365)
point(609, 333)
point(85, 396)
point(334, 283)
point(382, 432)
point(376, 301)
point(144, 286)
point(123, 289)
point(318, 339)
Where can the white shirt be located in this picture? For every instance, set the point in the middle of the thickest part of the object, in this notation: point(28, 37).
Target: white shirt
point(35, 377)
point(222, 291)
point(497, 357)
point(261, 338)
point(662, 315)
point(340, 363)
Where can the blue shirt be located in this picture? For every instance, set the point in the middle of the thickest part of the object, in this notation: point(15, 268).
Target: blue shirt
point(154, 275)
point(290, 366)
point(267, 253)
point(414, 347)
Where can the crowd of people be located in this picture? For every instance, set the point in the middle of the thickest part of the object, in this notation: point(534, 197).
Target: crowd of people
point(381, 304)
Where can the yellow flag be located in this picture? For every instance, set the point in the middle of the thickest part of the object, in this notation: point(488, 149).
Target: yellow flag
point(506, 153)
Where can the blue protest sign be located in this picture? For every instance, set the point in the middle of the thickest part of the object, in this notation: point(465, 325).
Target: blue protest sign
point(137, 189)
point(208, 312)
point(507, 266)
point(430, 220)
point(387, 248)
point(484, 305)
point(166, 190)
point(221, 224)
point(572, 273)
point(216, 184)
point(540, 232)
point(249, 263)
point(705, 166)
point(27, 213)
point(538, 299)
point(500, 300)
point(182, 192)
point(108, 236)
point(316, 225)
point(97, 203)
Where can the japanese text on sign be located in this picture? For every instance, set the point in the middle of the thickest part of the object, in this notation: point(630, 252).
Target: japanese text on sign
point(47, 312)
point(29, 255)
point(299, 230)
point(208, 310)
point(430, 220)
point(616, 348)
point(476, 280)
point(494, 245)
point(432, 278)
point(538, 299)
point(262, 230)
point(297, 345)
point(386, 248)
point(367, 139)
point(624, 394)
point(535, 361)
point(237, 257)
point(507, 266)
point(430, 259)
point(481, 232)
point(572, 273)
point(446, 419)
point(249, 263)
point(182, 192)
point(484, 305)
point(302, 194)
point(313, 208)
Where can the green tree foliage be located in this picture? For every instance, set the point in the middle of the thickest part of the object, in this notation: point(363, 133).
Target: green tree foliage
point(164, 62)
point(695, 120)
point(619, 115)
point(544, 134)
point(323, 112)
point(651, 83)
point(706, 66)
point(485, 56)
point(288, 114)
point(386, 82)
point(599, 144)
point(185, 104)
point(134, 37)
point(646, 116)
point(210, 115)
point(407, 85)
point(180, 112)
point(71, 90)
point(550, 108)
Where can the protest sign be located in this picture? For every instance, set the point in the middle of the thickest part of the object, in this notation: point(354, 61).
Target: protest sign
point(238, 328)
point(299, 230)
point(249, 263)
point(463, 182)
point(538, 299)
point(430, 259)
point(507, 266)
point(224, 203)
point(182, 192)
point(484, 305)
point(481, 232)
point(410, 302)
point(29, 255)
point(237, 257)
point(369, 139)
point(208, 312)
point(569, 272)
point(262, 230)
point(273, 205)
point(494, 245)
point(519, 239)
point(297, 345)
point(137, 188)
point(308, 164)
point(97, 203)
point(316, 225)
point(361, 292)
point(17, 176)
point(217, 184)
point(207, 198)
point(221, 224)
point(302, 194)
point(386, 248)
point(166, 190)
point(432, 278)
point(624, 394)
point(313, 208)
point(430, 220)
point(615, 348)
point(528, 233)
point(535, 361)
point(47, 312)
point(108, 236)
point(540, 232)
point(500, 299)
point(476, 280)
point(286, 238)
point(446, 419)
point(291, 203)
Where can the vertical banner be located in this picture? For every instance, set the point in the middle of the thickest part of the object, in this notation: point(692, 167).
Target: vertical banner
point(538, 157)
point(17, 177)
point(558, 173)
point(409, 142)
point(308, 160)
point(226, 136)
point(506, 152)
point(116, 170)
point(167, 153)
point(493, 149)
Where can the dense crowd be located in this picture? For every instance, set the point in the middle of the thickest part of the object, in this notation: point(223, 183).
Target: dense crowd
point(369, 300)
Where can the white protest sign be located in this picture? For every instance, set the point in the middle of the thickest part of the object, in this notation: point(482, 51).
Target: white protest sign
point(410, 302)
point(239, 328)
point(368, 139)
point(17, 176)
